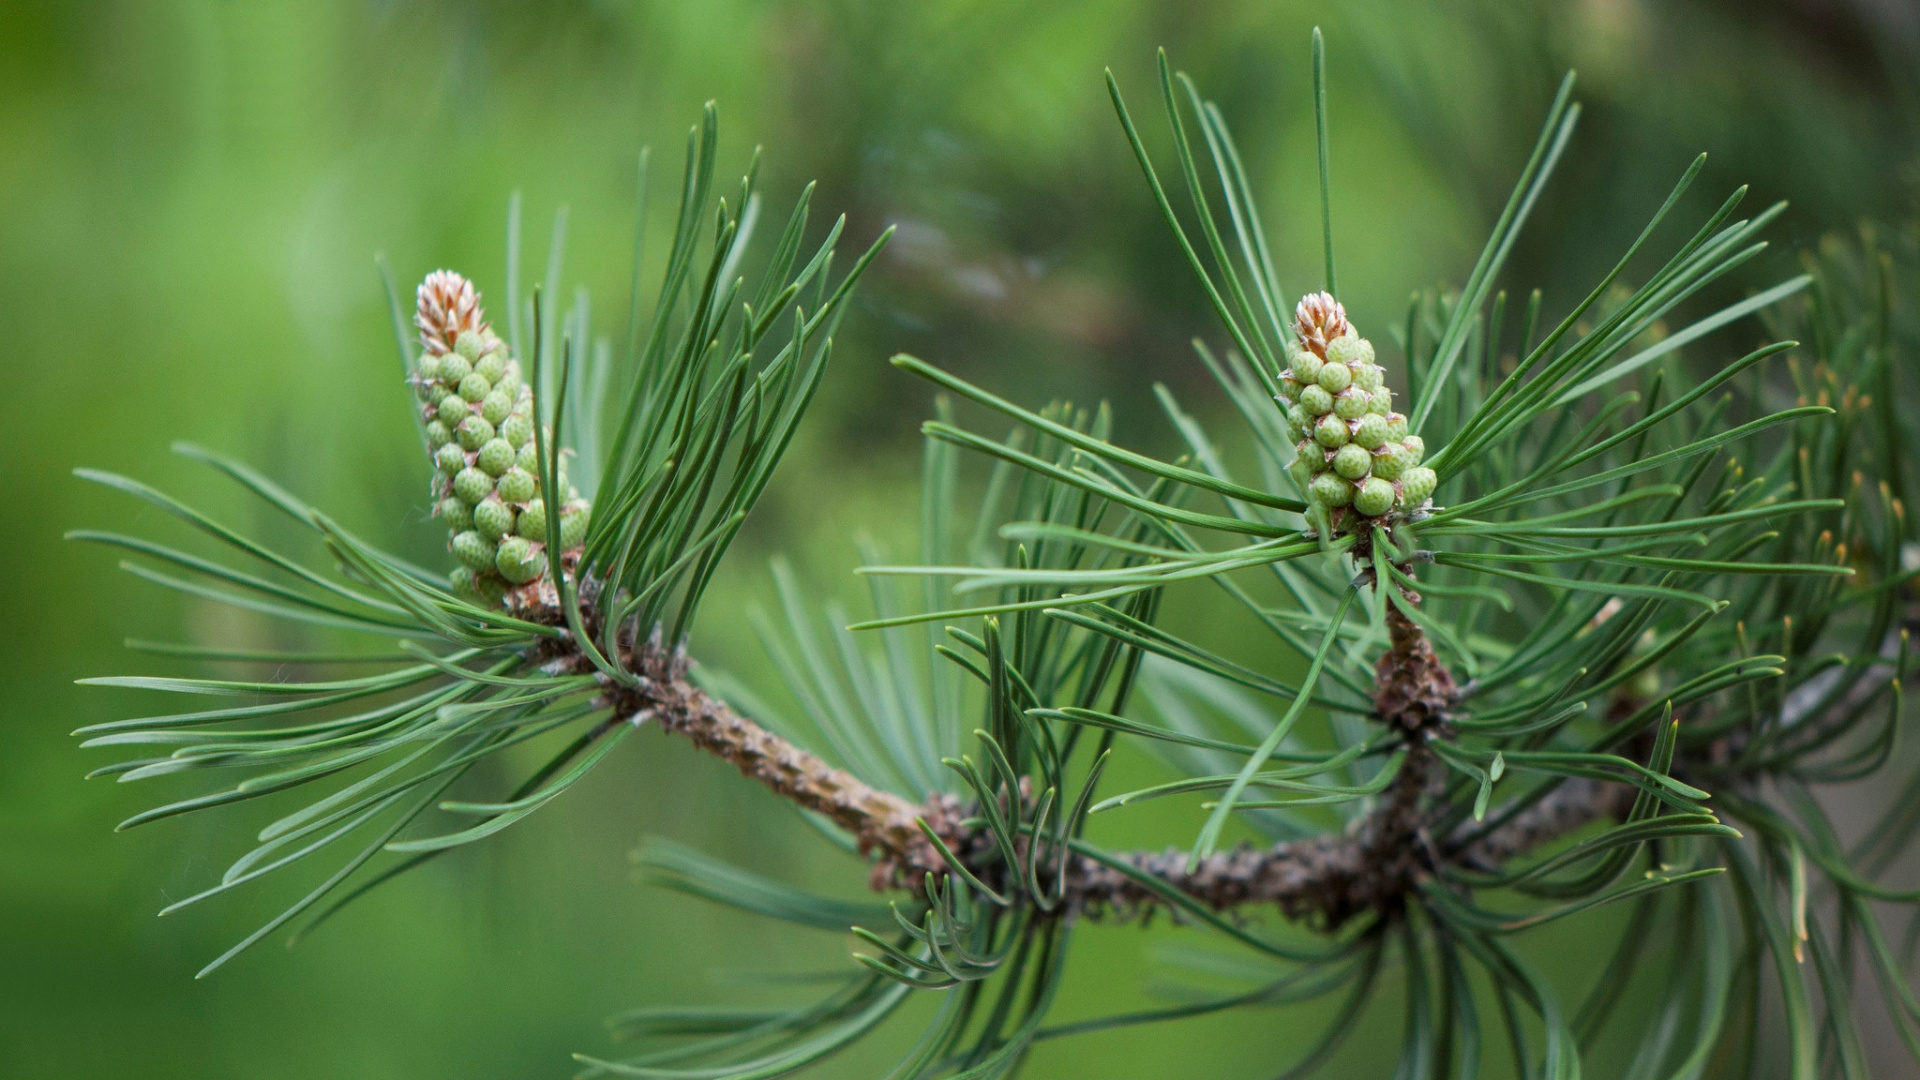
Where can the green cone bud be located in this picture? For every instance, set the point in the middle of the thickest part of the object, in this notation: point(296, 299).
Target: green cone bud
point(473, 550)
point(573, 524)
point(496, 407)
point(1329, 490)
point(473, 432)
point(1299, 417)
point(517, 429)
point(1334, 378)
point(516, 485)
point(452, 409)
point(1374, 497)
point(1361, 455)
point(533, 520)
point(1352, 461)
point(1371, 431)
point(1350, 348)
point(472, 485)
point(1416, 487)
point(475, 387)
point(517, 561)
point(1306, 367)
point(1344, 350)
point(493, 365)
point(493, 519)
point(450, 459)
point(1289, 388)
point(495, 457)
point(1331, 432)
point(454, 367)
point(458, 516)
point(479, 426)
point(1393, 461)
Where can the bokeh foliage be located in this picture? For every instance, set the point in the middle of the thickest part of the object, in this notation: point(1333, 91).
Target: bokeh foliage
point(193, 193)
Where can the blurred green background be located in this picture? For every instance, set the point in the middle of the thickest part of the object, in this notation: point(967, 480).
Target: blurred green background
point(190, 197)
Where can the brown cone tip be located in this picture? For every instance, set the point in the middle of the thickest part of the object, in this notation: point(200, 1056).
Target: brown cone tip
point(1318, 320)
point(446, 305)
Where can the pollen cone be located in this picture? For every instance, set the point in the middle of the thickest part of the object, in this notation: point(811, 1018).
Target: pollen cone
point(478, 412)
point(1354, 458)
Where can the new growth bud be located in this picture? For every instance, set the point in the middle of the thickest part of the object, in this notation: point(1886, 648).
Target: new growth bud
point(1375, 497)
point(493, 519)
point(1356, 460)
point(519, 560)
point(478, 412)
point(517, 485)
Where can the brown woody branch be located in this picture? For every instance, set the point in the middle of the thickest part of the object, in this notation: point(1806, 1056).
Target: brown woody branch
point(1324, 881)
point(884, 825)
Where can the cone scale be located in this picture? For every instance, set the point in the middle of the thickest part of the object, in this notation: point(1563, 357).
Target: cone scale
point(478, 412)
point(1354, 459)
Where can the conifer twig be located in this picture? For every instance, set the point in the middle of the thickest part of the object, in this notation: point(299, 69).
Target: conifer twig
point(1324, 881)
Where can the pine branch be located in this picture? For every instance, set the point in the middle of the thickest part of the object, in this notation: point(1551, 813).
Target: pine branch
point(1592, 509)
point(884, 824)
point(1325, 881)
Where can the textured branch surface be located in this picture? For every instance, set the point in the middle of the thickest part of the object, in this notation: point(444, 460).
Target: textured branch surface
point(1572, 806)
point(1413, 689)
point(1324, 881)
point(884, 824)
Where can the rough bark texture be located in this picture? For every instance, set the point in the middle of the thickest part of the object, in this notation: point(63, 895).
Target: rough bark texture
point(1413, 689)
point(1327, 880)
point(884, 824)
point(1324, 881)
point(1568, 808)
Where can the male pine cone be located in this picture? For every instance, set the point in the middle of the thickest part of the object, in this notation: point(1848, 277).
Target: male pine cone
point(1354, 457)
point(478, 412)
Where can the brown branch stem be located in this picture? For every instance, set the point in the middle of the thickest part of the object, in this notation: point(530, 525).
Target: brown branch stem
point(1324, 880)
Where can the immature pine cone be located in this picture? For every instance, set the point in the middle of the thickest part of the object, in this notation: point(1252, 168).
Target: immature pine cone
point(479, 417)
point(1355, 457)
